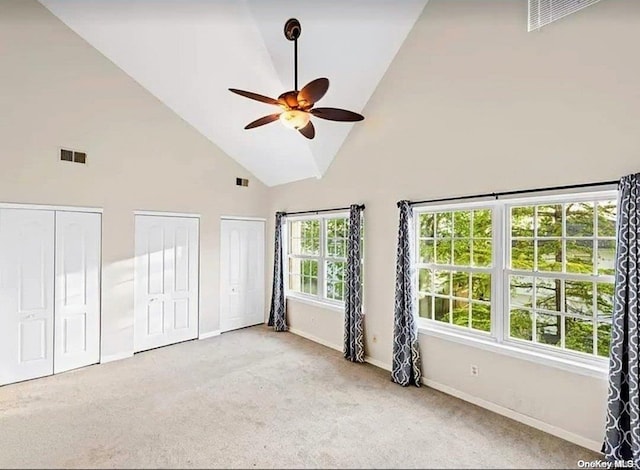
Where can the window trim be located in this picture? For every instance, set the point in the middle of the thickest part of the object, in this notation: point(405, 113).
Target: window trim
point(321, 299)
point(497, 340)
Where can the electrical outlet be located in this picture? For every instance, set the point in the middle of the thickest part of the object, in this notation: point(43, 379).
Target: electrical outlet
point(475, 370)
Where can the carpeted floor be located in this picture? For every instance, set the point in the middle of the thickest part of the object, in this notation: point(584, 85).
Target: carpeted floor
point(252, 399)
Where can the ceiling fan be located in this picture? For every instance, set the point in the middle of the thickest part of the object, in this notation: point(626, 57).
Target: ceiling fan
point(297, 107)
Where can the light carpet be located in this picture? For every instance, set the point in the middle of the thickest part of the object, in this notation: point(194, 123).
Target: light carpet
point(254, 398)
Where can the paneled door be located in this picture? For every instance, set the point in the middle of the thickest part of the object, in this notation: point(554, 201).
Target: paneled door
point(77, 288)
point(26, 294)
point(241, 273)
point(166, 280)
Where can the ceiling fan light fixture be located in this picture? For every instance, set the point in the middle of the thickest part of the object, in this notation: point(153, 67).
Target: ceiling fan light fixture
point(295, 119)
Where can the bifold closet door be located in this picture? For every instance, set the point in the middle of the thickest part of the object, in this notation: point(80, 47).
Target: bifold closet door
point(26, 294)
point(77, 288)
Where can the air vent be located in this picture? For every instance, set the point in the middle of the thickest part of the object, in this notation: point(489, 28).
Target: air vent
point(242, 182)
point(543, 12)
point(73, 156)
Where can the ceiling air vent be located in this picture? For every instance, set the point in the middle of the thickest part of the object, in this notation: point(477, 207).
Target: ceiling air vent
point(543, 12)
point(73, 156)
point(242, 182)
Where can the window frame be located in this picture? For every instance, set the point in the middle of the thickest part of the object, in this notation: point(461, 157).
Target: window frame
point(322, 258)
point(498, 339)
point(465, 206)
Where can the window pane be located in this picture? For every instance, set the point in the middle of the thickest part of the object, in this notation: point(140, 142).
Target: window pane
point(426, 225)
point(548, 329)
point(441, 309)
point(550, 220)
point(309, 276)
point(549, 294)
point(521, 288)
point(443, 251)
point(580, 256)
point(579, 219)
point(425, 306)
point(522, 254)
point(520, 324)
point(442, 282)
point(482, 223)
point(481, 287)
point(578, 335)
point(336, 236)
point(444, 225)
point(482, 253)
point(462, 252)
point(426, 251)
point(604, 339)
point(522, 221)
point(606, 257)
point(304, 237)
point(607, 211)
point(604, 299)
point(480, 316)
point(460, 313)
point(335, 279)
point(462, 224)
point(549, 255)
point(460, 284)
point(425, 280)
point(337, 248)
point(579, 297)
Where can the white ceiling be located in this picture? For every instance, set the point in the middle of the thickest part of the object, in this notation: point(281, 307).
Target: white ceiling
point(189, 52)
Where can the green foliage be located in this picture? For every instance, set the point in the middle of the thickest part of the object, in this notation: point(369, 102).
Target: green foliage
point(463, 238)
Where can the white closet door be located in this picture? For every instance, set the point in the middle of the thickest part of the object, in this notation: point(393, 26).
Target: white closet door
point(26, 294)
point(166, 281)
point(77, 285)
point(241, 274)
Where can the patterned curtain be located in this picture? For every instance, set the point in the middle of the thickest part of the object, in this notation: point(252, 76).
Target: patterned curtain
point(406, 365)
point(277, 314)
point(622, 439)
point(353, 321)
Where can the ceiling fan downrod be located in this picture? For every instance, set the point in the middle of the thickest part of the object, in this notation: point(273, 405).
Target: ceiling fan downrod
point(292, 31)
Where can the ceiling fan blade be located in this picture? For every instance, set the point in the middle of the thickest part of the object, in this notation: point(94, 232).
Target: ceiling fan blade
point(255, 96)
point(308, 131)
point(312, 92)
point(335, 114)
point(262, 121)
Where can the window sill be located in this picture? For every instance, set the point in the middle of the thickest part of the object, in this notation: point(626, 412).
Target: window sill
point(595, 368)
point(316, 303)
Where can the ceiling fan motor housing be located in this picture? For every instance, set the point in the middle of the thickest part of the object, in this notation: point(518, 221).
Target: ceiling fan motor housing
point(292, 29)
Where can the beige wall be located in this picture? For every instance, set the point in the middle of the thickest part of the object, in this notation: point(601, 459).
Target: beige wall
point(472, 104)
point(57, 91)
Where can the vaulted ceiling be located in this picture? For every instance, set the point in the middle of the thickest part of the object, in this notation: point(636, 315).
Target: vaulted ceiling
point(189, 52)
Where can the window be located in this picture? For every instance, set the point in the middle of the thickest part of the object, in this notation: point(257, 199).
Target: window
point(317, 257)
point(537, 273)
point(454, 267)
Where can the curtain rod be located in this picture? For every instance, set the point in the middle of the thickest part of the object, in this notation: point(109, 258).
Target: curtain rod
point(318, 211)
point(512, 193)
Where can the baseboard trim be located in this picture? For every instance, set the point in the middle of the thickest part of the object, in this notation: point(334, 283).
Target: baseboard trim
point(115, 357)
point(315, 339)
point(210, 334)
point(487, 405)
point(377, 363)
point(516, 416)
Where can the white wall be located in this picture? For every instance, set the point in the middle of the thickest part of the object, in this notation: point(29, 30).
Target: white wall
point(473, 104)
point(57, 91)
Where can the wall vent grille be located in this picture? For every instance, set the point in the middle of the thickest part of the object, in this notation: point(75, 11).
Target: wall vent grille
point(543, 12)
point(73, 156)
point(242, 182)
